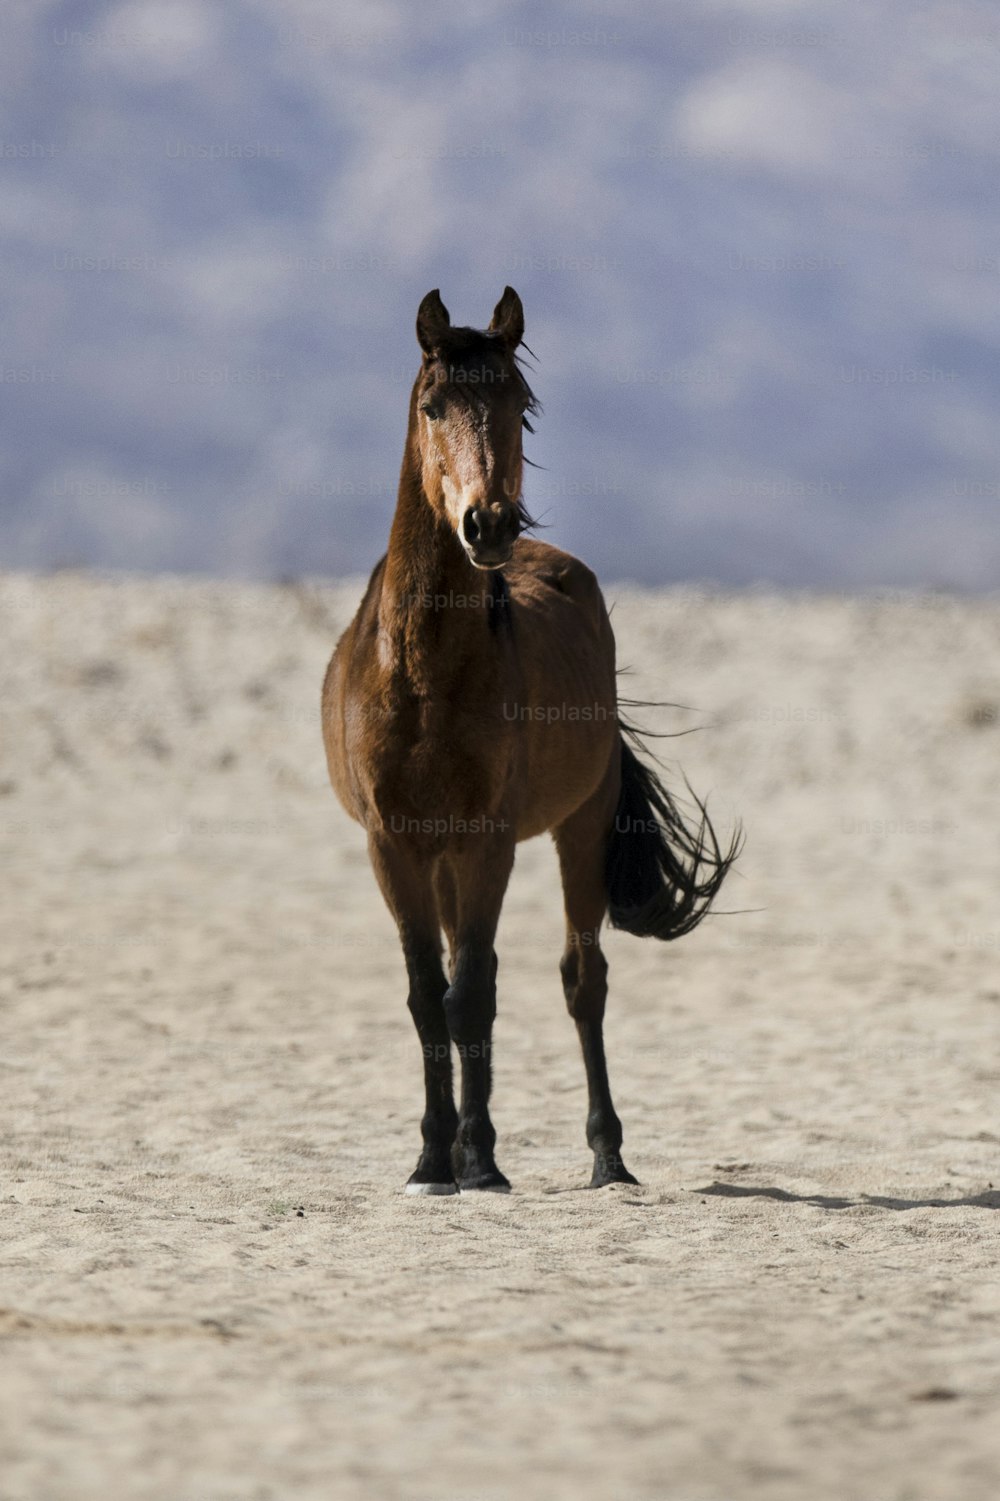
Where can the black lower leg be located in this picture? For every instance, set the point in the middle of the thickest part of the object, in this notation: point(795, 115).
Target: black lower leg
point(585, 986)
point(433, 1172)
point(470, 1008)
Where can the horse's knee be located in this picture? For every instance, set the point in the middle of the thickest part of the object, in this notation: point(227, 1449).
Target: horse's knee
point(470, 1012)
point(585, 983)
point(427, 982)
point(424, 1003)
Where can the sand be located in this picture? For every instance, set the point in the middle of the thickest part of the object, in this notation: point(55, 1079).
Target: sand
point(213, 1287)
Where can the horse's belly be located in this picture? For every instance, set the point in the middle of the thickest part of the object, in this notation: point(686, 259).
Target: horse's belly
point(564, 767)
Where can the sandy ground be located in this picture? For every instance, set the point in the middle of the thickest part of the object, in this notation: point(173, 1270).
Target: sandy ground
point(213, 1288)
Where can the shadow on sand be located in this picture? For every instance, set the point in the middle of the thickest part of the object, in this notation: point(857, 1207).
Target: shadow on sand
point(987, 1200)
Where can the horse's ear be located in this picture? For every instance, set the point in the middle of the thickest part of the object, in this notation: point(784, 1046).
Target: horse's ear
point(433, 322)
point(508, 318)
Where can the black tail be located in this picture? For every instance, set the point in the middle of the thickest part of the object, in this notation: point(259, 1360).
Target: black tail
point(661, 875)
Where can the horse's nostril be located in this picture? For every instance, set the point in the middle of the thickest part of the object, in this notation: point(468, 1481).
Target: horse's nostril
point(471, 529)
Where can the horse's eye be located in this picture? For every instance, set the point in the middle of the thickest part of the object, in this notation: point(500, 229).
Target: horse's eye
point(430, 410)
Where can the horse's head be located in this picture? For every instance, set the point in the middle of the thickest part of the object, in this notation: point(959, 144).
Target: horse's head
point(469, 406)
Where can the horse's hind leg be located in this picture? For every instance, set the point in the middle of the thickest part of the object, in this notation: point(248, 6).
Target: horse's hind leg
point(406, 887)
point(581, 842)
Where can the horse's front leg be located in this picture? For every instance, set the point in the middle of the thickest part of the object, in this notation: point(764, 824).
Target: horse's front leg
point(407, 888)
point(479, 868)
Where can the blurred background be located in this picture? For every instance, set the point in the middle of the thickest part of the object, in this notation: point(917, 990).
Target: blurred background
point(757, 245)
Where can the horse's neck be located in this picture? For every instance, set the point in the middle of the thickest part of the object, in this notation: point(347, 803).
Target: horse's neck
point(434, 606)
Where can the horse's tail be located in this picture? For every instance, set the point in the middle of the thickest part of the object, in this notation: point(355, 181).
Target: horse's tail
point(661, 874)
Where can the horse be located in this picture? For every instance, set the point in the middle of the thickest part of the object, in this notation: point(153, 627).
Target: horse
point(471, 704)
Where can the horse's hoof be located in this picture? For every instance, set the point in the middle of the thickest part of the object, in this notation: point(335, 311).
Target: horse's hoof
point(611, 1170)
point(416, 1187)
point(485, 1183)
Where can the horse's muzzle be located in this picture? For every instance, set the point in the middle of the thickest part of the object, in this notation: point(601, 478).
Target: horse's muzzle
point(488, 536)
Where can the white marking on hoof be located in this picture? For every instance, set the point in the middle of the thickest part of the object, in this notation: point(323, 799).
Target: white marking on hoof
point(431, 1188)
point(488, 1188)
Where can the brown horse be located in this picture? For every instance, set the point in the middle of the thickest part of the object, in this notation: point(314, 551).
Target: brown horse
point(471, 704)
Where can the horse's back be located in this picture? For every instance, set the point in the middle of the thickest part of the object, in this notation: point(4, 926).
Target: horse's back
point(563, 630)
point(567, 688)
point(538, 573)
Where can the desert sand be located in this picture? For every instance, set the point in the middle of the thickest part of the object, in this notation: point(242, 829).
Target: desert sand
point(213, 1286)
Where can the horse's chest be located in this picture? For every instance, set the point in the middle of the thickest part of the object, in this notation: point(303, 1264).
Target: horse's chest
point(435, 762)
